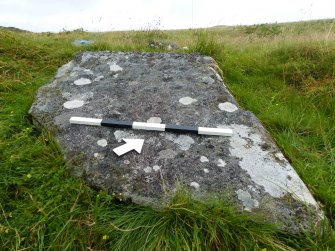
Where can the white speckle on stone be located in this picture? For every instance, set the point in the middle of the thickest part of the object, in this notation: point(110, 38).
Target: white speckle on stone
point(73, 104)
point(147, 169)
point(88, 71)
point(187, 100)
point(86, 95)
point(208, 59)
point(82, 81)
point(85, 57)
point(167, 154)
point(251, 188)
point(114, 67)
point(217, 75)
point(195, 185)
point(66, 95)
point(98, 78)
point(248, 202)
point(133, 83)
point(119, 135)
point(98, 155)
point(78, 96)
point(206, 170)
point(203, 159)
point(219, 78)
point(280, 156)
point(127, 162)
point(98, 115)
point(208, 80)
point(228, 107)
point(102, 142)
point(116, 75)
point(221, 163)
point(156, 168)
point(278, 179)
point(184, 142)
point(156, 120)
point(76, 71)
point(65, 69)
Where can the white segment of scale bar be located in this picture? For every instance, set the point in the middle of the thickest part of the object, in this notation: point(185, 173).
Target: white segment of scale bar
point(149, 126)
point(85, 121)
point(215, 131)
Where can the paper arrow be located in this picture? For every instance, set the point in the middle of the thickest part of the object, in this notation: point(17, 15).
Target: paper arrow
point(131, 144)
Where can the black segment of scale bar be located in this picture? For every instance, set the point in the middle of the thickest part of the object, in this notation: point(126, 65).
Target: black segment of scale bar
point(116, 123)
point(181, 129)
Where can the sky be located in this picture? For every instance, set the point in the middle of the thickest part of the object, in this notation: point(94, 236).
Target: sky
point(114, 15)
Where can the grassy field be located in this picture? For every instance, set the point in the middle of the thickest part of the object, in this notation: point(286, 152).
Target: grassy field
point(284, 73)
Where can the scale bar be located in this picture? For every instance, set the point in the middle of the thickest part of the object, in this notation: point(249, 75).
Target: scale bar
point(152, 126)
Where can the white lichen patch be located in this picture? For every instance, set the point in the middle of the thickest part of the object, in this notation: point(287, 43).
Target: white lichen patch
point(72, 104)
point(102, 142)
point(221, 163)
point(82, 81)
point(147, 169)
point(103, 58)
point(156, 168)
point(206, 170)
point(278, 179)
point(184, 142)
point(126, 162)
point(204, 159)
point(248, 202)
point(195, 185)
point(187, 100)
point(114, 67)
point(228, 107)
point(157, 120)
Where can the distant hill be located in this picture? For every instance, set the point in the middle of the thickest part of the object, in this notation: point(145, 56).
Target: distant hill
point(309, 22)
point(14, 29)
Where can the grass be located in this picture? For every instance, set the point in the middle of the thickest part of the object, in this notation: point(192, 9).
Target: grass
point(284, 73)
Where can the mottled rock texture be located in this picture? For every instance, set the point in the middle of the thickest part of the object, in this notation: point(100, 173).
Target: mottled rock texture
point(169, 88)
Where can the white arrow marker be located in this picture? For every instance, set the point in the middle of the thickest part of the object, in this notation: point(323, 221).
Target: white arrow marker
point(131, 144)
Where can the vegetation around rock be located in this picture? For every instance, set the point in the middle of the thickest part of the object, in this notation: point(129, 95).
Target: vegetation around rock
point(286, 76)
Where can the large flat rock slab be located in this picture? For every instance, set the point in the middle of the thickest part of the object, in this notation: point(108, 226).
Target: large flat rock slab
point(182, 89)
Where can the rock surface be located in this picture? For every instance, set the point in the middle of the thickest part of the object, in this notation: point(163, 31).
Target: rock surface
point(169, 88)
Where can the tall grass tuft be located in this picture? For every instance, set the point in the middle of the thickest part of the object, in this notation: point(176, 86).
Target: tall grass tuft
point(206, 45)
point(188, 224)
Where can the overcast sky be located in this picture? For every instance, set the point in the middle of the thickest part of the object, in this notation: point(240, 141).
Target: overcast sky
point(111, 15)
